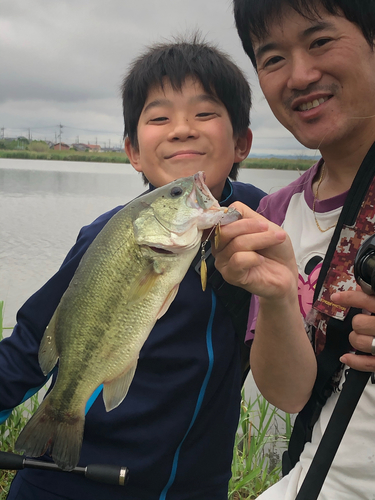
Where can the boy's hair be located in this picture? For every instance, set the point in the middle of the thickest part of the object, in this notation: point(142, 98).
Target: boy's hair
point(177, 61)
point(253, 17)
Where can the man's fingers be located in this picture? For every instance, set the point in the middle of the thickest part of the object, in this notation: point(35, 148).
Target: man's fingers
point(361, 342)
point(239, 228)
point(245, 211)
point(238, 268)
point(249, 234)
point(361, 363)
point(354, 298)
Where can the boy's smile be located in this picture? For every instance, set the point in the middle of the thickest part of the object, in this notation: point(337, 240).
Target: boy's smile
point(181, 132)
point(314, 74)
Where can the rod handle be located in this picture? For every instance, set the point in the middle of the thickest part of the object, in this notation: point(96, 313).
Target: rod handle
point(11, 461)
point(109, 474)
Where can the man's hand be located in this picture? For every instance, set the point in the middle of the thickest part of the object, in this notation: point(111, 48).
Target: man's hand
point(257, 255)
point(363, 328)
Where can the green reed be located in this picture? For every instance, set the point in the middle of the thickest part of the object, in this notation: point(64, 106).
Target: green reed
point(11, 428)
point(256, 463)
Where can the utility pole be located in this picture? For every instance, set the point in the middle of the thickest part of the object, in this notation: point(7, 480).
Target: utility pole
point(109, 147)
point(61, 127)
point(2, 132)
point(29, 134)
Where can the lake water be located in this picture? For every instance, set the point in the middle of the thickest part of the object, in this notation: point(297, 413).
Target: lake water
point(43, 205)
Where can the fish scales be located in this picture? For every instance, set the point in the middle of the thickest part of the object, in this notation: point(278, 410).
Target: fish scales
point(125, 281)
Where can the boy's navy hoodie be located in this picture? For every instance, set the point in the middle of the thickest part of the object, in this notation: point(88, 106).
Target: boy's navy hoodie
point(175, 429)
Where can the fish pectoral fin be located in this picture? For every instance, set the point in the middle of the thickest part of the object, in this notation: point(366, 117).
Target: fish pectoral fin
point(48, 354)
point(143, 283)
point(168, 301)
point(115, 391)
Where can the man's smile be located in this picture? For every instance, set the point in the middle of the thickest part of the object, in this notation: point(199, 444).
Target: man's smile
point(312, 104)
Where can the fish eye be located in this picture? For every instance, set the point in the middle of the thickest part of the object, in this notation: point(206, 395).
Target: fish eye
point(176, 191)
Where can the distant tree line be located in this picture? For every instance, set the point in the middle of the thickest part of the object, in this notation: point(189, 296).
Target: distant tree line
point(21, 143)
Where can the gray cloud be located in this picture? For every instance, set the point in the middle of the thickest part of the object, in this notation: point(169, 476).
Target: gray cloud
point(63, 61)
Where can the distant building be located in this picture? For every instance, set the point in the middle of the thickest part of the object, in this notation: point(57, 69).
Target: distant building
point(84, 147)
point(95, 148)
point(79, 146)
point(61, 146)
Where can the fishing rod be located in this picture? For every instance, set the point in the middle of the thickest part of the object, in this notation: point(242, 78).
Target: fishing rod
point(102, 473)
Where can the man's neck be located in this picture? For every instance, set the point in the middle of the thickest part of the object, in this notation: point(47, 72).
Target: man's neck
point(341, 167)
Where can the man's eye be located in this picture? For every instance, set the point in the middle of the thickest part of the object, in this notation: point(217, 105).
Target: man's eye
point(320, 42)
point(271, 61)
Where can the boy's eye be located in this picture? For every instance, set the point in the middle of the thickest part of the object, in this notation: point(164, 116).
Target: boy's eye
point(159, 119)
point(206, 114)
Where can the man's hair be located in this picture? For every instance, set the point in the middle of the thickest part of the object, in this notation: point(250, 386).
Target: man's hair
point(254, 17)
point(177, 61)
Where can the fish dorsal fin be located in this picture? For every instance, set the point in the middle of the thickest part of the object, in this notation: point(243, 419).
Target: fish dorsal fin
point(168, 301)
point(143, 283)
point(115, 391)
point(48, 354)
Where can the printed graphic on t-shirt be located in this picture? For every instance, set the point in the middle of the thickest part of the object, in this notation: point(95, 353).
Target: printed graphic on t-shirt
point(307, 283)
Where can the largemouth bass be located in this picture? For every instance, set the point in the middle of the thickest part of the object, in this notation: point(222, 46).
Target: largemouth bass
point(124, 283)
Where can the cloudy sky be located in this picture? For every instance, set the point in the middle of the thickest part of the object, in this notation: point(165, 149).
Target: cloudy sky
point(62, 62)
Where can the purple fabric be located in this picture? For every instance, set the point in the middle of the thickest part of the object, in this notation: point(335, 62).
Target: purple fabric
point(274, 208)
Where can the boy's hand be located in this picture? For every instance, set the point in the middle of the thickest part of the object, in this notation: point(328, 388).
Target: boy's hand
point(257, 255)
point(363, 328)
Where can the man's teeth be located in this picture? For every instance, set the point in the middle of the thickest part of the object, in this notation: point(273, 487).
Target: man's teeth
point(312, 104)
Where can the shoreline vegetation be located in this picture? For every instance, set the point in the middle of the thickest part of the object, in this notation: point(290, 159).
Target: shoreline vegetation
point(272, 163)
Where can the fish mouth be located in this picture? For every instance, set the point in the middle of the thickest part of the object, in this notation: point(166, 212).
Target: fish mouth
point(201, 197)
point(160, 250)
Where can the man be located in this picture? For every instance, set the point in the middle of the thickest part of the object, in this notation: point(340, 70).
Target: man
point(315, 62)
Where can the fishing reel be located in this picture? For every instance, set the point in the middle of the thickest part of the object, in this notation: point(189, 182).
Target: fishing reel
point(364, 266)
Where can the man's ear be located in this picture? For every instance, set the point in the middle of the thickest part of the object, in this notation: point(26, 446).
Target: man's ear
point(243, 146)
point(133, 155)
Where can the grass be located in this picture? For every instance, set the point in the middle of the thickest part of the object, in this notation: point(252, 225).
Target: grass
point(277, 163)
point(117, 157)
point(9, 432)
point(256, 462)
point(255, 466)
point(11, 428)
point(68, 155)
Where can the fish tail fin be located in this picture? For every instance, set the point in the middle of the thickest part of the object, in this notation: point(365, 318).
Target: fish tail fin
point(50, 429)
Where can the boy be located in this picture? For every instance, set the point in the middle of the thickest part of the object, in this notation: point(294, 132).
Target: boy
point(315, 62)
point(186, 108)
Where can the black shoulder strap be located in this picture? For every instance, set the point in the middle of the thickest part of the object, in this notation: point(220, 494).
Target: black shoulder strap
point(337, 342)
point(235, 300)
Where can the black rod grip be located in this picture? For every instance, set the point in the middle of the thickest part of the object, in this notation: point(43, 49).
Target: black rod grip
point(109, 474)
point(103, 473)
point(11, 461)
